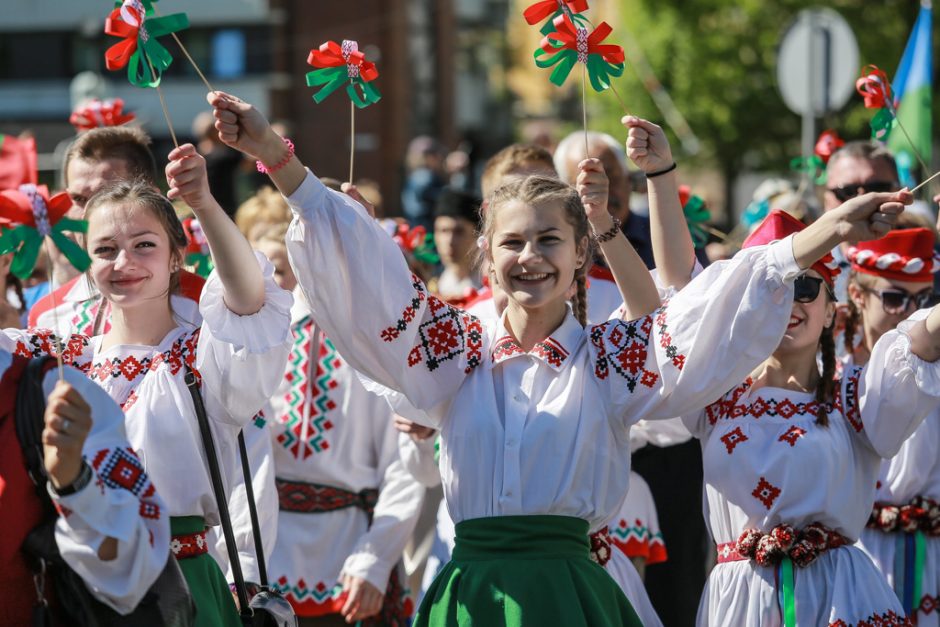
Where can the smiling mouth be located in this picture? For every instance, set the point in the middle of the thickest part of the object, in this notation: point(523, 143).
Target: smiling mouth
point(532, 277)
point(127, 281)
point(794, 321)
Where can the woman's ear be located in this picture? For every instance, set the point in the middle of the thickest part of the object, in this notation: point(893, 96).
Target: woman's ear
point(856, 295)
point(582, 252)
point(830, 312)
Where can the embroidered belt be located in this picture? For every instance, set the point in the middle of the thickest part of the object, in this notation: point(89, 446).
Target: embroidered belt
point(600, 546)
point(189, 545)
point(921, 514)
point(312, 498)
point(768, 549)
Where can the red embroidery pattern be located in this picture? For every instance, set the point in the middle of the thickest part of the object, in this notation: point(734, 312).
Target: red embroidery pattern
point(600, 546)
point(766, 492)
point(733, 438)
point(928, 603)
point(298, 496)
point(888, 619)
point(722, 407)
point(505, 348)
point(183, 350)
point(120, 469)
point(446, 334)
point(622, 347)
point(43, 342)
point(189, 545)
point(130, 402)
point(665, 339)
point(549, 349)
point(408, 315)
point(792, 434)
point(852, 413)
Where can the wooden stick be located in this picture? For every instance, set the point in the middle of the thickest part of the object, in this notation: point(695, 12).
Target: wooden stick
point(619, 99)
point(584, 107)
point(352, 138)
point(166, 113)
point(179, 43)
point(925, 182)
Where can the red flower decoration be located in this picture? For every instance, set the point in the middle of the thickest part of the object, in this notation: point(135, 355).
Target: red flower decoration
point(828, 142)
point(96, 114)
point(874, 88)
point(539, 11)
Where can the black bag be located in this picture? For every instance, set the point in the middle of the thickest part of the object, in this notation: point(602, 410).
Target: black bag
point(167, 603)
point(267, 608)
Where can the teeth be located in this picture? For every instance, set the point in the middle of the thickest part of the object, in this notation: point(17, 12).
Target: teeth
point(794, 320)
point(532, 277)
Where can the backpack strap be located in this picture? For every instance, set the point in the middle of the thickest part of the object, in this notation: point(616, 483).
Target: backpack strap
point(28, 414)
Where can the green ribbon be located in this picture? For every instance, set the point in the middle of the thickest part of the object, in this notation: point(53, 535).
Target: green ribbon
point(881, 124)
point(549, 26)
point(788, 600)
point(920, 557)
point(138, 70)
point(360, 92)
point(812, 166)
point(25, 242)
point(200, 263)
point(697, 214)
point(599, 71)
point(426, 252)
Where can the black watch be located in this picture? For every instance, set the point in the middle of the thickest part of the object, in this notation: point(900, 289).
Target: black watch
point(83, 479)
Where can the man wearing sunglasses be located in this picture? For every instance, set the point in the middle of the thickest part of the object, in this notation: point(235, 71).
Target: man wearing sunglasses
point(857, 168)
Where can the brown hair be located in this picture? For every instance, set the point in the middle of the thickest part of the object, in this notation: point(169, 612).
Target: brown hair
point(511, 159)
point(825, 387)
point(142, 194)
point(126, 143)
point(267, 207)
point(536, 191)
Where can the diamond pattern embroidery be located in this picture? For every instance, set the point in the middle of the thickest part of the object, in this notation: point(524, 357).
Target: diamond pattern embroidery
point(622, 347)
point(792, 434)
point(766, 492)
point(733, 438)
point(445, 335)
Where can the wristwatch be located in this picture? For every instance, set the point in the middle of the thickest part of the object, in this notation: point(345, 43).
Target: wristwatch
point(83, 479)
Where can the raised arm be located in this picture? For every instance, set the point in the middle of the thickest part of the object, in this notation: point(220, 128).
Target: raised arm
point(637, 289)
point(673, 251)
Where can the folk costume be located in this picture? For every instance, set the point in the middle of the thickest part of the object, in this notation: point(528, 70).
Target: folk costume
point(535, 447)
point(903, 532)
point(237, 360)
point(785, 497)
point(348, 506)
point(118, 502)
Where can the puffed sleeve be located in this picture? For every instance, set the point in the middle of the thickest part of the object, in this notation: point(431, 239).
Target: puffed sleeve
point(394, 518)
point(703, 342)
point(38, 342)
point(241, 358)
point(120, 502)
point(379, 315)
point(888, 399)
point(419, 459)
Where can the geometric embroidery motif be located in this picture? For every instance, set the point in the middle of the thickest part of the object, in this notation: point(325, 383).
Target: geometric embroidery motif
point(446, 334)
point(548, 349)
point(319, 594)
point(182, 350)
point(851, 399)
point(766, 492)
point(665, 339)
point(888, 619)
point(308, 401)
point(121, 469)
point(622, 347)
point(409, 313)
point(792, 434)
point(44, 342)
point(733, 438)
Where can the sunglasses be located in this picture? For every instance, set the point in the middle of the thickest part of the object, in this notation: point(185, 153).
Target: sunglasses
point(897, 301)
point(851, 191)
point(806, 289)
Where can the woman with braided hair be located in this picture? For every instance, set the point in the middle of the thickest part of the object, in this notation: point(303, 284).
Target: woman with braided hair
point(791, 457)
point(890, 279)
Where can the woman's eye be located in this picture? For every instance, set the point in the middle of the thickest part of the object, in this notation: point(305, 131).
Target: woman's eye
point(103, 251)
point(512, 243)
point(550, 239)
point(146, 245)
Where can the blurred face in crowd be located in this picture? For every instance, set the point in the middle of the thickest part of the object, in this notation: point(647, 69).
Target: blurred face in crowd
point(86, 178)
point(884, 303)
point(276, 253)
point(848, 176)
point(455, 239)
point(618, 203)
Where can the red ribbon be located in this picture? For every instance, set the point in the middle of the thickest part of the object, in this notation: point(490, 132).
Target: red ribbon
point(16, 207)
point(566, 37)
point(97, 114)
point(409, 238)
point(874, 88)
point(330, 54)
point(828, 142)
point(118, 55)
point(538, 11)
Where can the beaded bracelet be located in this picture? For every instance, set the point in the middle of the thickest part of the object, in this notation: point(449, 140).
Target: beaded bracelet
point(280, 164)
point(609, 234)
point(650, 175)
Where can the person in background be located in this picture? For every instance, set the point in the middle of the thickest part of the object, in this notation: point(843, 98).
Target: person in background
point(455, 236)
point(425, 179)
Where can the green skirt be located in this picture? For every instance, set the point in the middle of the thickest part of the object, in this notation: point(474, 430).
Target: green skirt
point(524, 571)
point(214, 604)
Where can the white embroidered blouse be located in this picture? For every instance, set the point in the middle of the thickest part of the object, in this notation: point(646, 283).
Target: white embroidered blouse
point(540, 432)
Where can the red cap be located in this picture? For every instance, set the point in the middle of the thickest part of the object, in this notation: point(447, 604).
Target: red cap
point(901, 255)
point(778, 225)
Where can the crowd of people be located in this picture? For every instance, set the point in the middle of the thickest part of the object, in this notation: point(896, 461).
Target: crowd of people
point(623, 432)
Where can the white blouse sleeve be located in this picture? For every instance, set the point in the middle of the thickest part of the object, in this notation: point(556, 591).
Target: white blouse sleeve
point(38, 342)
point(120, 502)
point(241, 358)
point(394, 518)
point(888, 399)
point(703, 342)
point(419, 459)
point(379, 315)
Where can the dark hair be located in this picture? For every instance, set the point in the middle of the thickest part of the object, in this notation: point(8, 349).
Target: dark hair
point(538, 190)
point(457, 203)
point(142, 194)
point(825, 388)
point(126, 143)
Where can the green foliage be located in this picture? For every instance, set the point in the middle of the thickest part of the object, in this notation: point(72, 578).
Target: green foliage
point(717, 60)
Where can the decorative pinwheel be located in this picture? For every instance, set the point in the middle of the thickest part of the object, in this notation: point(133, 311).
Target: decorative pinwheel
point(343, 64)
point(828, 142)
point(696, 214)
point(569, 44)
point(415, 241)
point(32, 216)
point(550, 9)
point(198, 256)
point(875, 90)
point(144, 56)
point(97, 113)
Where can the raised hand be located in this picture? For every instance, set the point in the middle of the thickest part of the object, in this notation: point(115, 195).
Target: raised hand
point(353, 192)
point(593, 188)
point(67, 423)
point(244, 128)
point(870, 216)
point(647, 146)
point(187, 178)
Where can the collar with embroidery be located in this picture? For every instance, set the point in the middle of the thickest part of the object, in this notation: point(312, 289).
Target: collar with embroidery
point(553, 350)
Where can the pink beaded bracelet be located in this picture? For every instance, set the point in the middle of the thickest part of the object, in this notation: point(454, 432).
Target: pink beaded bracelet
point(280, 164)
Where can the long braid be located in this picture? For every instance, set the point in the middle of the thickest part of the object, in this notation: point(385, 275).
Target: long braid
point(580, 299)
point(852, 322)
point(826, 384)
